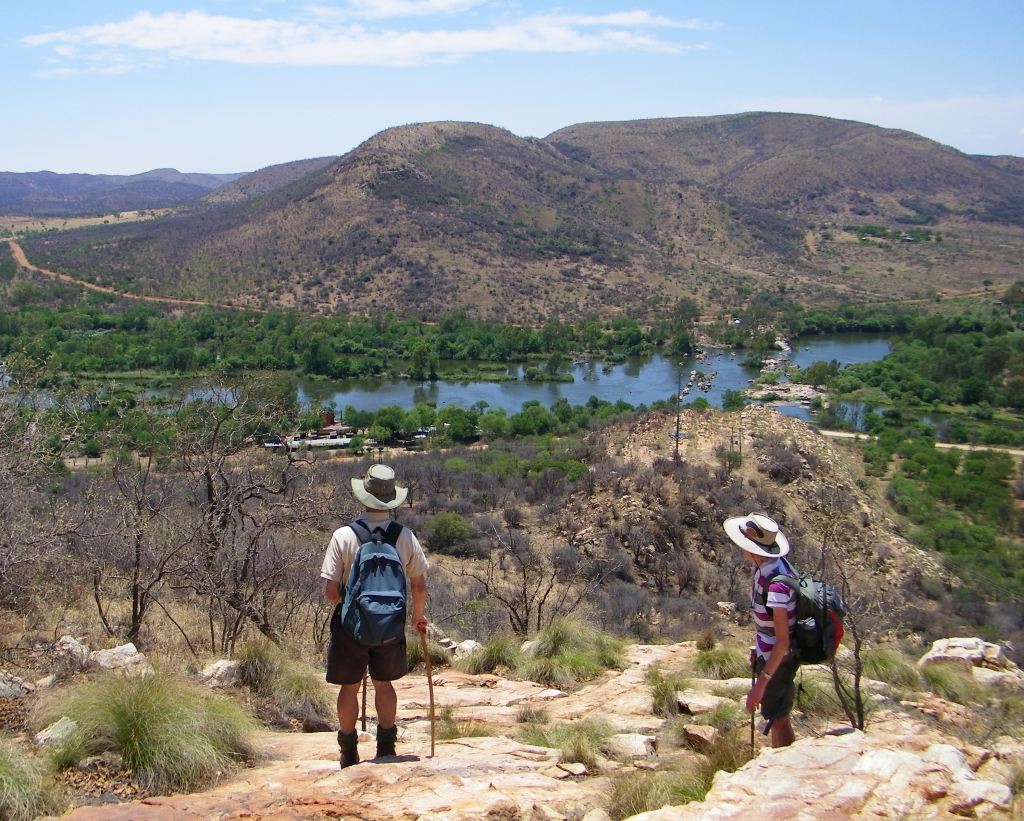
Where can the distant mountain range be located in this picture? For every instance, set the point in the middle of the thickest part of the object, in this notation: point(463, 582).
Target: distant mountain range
point(45, 193)
point(598, 217)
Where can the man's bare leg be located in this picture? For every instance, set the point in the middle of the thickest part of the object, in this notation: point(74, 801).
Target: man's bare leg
point(386, 701)
point(348, 707)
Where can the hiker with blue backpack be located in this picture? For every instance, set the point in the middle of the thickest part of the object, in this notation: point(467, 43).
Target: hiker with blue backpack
point(372, 568)
point(797, 620)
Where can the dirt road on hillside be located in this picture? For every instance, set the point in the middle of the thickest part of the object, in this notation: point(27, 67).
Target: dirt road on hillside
point(19, 257)
point(843, 434)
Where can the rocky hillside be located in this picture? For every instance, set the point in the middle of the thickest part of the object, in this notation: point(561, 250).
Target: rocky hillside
point(602, 217)
point(907, 764)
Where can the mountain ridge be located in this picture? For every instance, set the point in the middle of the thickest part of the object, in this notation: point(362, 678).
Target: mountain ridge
point(595, 218)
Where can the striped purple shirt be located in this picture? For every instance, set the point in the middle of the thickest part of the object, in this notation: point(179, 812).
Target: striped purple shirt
point(779, 595)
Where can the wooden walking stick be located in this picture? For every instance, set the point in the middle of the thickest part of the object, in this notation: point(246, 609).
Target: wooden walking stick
point(363, 720)
point(430, 687)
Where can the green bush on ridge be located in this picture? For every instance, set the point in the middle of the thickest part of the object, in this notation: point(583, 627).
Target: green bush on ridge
point(172, 735)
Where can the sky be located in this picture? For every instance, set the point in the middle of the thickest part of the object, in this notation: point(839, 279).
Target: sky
point(219, 86)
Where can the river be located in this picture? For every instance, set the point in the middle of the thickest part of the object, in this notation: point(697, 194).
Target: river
point(636, 381)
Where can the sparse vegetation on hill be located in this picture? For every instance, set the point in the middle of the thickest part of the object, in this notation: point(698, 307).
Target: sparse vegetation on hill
point(605, 218)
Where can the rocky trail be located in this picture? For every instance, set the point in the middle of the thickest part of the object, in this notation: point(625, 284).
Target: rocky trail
point(903, 767)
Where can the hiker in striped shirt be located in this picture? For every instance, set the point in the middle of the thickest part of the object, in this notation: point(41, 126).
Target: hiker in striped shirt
point(773, 657)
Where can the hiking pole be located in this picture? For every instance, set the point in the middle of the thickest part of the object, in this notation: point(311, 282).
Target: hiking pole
point(363, 720)
point(430, 687)
point(753, 683)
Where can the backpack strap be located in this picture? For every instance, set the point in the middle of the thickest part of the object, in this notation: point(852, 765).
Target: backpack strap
point(365, 533)
point(791, 582)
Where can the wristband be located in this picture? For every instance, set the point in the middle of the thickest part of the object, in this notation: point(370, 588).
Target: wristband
point(767, 676)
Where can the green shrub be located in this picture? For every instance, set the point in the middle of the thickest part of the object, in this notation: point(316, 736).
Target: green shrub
point(448, 530)
point(26, 791)
point(570, 650)
point(953, 683)
point(501, 651)
point(817, 698)
point(891, 666)
point(449, 727)
point(707, 641)
point(531, 714)
point(439, 656)
point(632, 794)
point(664, 691)
point(549, 672)
point(579, 741)
point(172, 735)
point(723, 717)
point(722, 662)
point(294, 687)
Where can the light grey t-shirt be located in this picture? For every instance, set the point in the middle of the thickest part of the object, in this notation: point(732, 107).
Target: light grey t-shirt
point(344, 546)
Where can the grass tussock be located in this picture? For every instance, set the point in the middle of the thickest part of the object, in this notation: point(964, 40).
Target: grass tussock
point(173, 735)
point(26, 789)
point(722, 662)
point(892, 667)
point(296, 689)
point(568, 651)
point(531, 714)
point(578, 741)
point(953, 683)
point(632, 794)
point(449, 727)
point(498, 652)
point(724, 717)
point(664, 691)
point(816, 698)
point(439, 655)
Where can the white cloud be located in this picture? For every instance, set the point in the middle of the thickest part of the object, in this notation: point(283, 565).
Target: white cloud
point(979, 124)
point(375, 9)
point(317, 40)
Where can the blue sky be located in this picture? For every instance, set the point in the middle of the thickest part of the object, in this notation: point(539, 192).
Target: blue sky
point(123, 86)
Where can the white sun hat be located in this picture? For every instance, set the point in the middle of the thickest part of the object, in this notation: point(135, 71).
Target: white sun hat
point(377, 490)
point(757, 534)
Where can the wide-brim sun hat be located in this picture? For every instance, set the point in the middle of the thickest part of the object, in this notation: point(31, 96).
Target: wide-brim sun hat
point(377, 490)
point(757, 534)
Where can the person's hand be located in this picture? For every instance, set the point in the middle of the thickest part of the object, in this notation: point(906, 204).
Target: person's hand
point(419, 623)
point(756, 694)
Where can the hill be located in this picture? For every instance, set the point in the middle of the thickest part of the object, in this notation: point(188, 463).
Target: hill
point(266, 180)
point(46, 193)
point(601, 217)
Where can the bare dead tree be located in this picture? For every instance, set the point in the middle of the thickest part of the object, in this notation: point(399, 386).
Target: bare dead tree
point(256, 512)
point(135, 541)
point(34, 523)
point(846, 562)
point(529, 583)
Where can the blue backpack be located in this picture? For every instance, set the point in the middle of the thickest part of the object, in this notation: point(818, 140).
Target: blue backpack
point(373, 610)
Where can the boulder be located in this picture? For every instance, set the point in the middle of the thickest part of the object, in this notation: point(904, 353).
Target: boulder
point(700, 736)
point(626, 746)
point(695, 703)
point(1010, 680)
point(56, 732)
point(220, 673)
point(464, 648)
point(966, 652)
point(46, 682)
point(726, 609)
point(70, 655)
point(124, 658)
point(13, 687)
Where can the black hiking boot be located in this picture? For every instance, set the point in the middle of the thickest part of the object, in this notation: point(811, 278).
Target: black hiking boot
point(386, 741)
point(348, 743)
